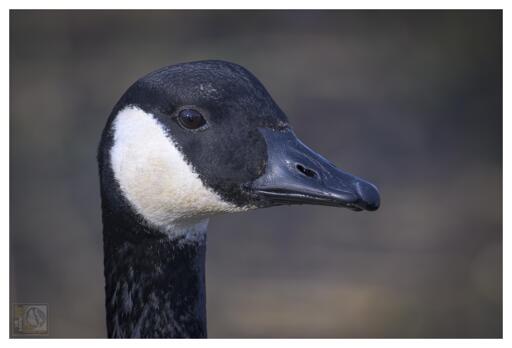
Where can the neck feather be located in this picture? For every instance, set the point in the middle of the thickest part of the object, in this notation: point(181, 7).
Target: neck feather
point(155, 281)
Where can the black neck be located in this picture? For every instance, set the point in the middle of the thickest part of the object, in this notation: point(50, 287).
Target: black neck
point(155, 285)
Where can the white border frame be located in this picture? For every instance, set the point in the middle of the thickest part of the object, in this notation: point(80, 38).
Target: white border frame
point(289, 4)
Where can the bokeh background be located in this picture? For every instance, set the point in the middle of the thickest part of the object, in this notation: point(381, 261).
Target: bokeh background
point(411, 101)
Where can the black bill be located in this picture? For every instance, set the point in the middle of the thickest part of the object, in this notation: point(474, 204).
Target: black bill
point(295, 174)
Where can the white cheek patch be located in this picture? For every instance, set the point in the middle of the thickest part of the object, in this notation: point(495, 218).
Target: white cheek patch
point(154, 176)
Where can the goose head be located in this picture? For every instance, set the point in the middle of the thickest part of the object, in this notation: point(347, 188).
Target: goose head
point(192, 140)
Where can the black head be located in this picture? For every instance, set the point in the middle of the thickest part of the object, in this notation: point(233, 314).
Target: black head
point(236, 139)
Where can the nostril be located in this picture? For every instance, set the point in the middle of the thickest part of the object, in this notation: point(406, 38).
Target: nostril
point(306, 171)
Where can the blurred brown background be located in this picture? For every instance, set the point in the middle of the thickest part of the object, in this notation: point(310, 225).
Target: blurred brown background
point(408, 100)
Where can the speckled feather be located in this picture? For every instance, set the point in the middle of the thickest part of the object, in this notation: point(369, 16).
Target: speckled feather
point(155, 286)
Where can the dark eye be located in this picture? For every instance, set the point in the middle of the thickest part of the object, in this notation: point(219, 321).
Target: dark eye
point(191, 119)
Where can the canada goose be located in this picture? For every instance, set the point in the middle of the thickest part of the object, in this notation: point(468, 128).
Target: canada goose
point(184, 143)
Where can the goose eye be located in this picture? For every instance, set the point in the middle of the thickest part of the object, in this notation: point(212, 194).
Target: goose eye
point(191, 119)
